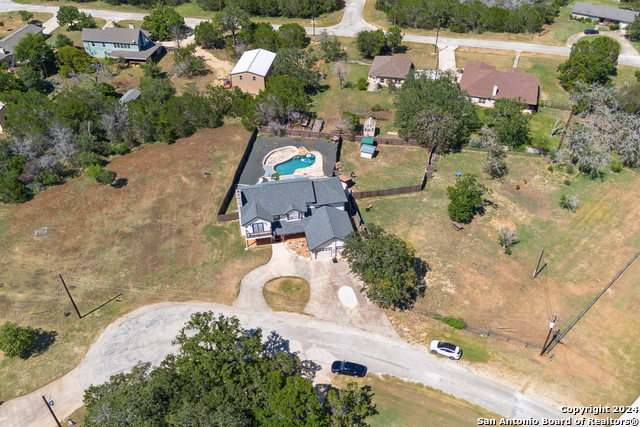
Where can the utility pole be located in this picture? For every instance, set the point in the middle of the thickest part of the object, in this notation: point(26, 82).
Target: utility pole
point(435, 48)
point(70, 297)
point(395, 14)
point(313, 20)
point(544, 15)
point(551, 326)
point(51, 410)
point(535, 272)
point(220, 4)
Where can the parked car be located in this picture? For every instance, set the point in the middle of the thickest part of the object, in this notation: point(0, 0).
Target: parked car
point(591, 31)
point(227, 84)
point(348, 368)
point(446, 349)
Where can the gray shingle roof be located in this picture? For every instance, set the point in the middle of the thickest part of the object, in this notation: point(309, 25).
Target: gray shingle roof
point(113, 35)
point(252, 211)
point(605, 12)
point(10, 41)
point(279, 197)
point(325, 224)
point(394, 67)
point(329, 191)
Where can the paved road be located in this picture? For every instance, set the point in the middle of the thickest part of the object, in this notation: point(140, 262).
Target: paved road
point(146, 335)
point(350, 25)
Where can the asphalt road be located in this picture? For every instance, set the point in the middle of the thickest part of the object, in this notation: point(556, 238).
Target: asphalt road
point(350, 25)
point(146, 335)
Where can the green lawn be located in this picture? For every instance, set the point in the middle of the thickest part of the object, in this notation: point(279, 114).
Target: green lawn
point(391, 167)
point(74, 35)
point(407, 404)
point(544, 67)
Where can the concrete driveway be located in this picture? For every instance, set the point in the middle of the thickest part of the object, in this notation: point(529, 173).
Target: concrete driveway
point(146, 334)
point(325, 279)
point(626, 46)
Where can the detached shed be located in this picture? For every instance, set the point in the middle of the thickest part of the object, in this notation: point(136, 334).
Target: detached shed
point(369, 127)
point(367, 147)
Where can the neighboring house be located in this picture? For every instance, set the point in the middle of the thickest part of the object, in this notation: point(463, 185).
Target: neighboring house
point(132, 44)
point(367, 148)
point(603, 14)
point(386, 68)
point(130, 95)
point(8, 43)
point(252, 70)
point(485, 85)
point(314, 209)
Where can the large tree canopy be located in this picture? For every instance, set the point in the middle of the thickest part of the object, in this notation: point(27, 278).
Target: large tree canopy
point(385, 263)
point(465, 198)
point(160, 21)
point(222, 375)
point(434, 111)
point(590, 61)
point(510, 125)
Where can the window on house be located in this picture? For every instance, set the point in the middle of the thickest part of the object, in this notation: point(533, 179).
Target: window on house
point(254, 78)
point(239, 77)
point(294, 216)
point(104, 45)
point(93, 44)
point(258, 227)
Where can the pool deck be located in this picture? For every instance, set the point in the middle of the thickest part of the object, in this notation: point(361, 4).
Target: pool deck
point(253, 170)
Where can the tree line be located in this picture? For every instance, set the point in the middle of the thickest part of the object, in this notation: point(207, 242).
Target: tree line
point(224, 375)
point(470, 15)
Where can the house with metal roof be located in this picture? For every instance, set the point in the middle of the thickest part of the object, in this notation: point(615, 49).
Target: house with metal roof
point(485, 84)
point(604, 13)
point(8, 43)
point(252, 70)
point(385, 69)
point(132, 44)
point(313, 209)
point(130, 95)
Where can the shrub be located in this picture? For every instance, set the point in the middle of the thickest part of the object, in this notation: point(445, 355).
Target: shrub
point(569, 202)
point(550, 168)
point(14, 339)
point(362, 83)
point(106, 177)
point(507, 251)
point(616, 166)
point(567, 182)
point(377, 107)
point(570, 169)
point(454, 322)
point(475, 142)
point(614, 27)
point(93, 171)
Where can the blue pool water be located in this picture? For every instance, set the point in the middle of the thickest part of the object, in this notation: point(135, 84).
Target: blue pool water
point(295, 163)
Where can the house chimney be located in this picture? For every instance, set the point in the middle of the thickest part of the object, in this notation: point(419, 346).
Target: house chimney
point(132, 27)
point(495, 90)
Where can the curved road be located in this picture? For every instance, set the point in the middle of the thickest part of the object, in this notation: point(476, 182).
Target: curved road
point(146, 335)
point(350, 25)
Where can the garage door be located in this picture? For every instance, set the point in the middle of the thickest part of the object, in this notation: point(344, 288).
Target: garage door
point(323, 253)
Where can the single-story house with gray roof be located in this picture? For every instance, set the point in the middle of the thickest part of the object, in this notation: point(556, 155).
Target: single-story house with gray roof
point(276, 211)
point(604, 13)
point(8, 43)
point(132, 44)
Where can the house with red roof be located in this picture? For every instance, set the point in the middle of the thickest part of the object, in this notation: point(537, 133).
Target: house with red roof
point(485, 84)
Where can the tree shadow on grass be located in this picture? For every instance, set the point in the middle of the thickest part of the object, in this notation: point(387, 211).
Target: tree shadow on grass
point(44, 340)
point(120, 182)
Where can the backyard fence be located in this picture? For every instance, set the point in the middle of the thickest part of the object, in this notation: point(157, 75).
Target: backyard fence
point(222, 217)
point(308, 134)
point(402, 190)
point(557, 105)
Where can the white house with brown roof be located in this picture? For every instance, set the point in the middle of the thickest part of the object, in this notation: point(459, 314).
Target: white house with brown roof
point(385, 68)
point(252, 70)
point(485, 84)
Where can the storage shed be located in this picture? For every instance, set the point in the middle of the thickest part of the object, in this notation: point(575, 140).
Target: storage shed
point(367, 147)
point(369, 127)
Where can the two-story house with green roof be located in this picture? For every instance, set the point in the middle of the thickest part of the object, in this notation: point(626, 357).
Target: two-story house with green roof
point(313, 209)
point(132, 44)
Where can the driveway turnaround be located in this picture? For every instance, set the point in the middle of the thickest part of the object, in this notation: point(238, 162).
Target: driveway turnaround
point(146, 335)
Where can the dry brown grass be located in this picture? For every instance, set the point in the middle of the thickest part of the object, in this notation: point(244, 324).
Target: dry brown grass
point(501, 59)
point(13, 22)
point(155, 239)
point(287, 294)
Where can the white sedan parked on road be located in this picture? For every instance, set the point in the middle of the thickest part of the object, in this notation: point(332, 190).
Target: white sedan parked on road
point(451, 351)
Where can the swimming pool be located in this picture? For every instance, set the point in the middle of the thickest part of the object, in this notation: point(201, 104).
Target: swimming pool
point(295, 163)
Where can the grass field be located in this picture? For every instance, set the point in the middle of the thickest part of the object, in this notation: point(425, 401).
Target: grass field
point(545, 68)
point(12, 21)
point(155, 239)
point(501, 59)
point(287, 294)
point(406, 404)
point(74, 35)
point(391, 167)
point(471, 277)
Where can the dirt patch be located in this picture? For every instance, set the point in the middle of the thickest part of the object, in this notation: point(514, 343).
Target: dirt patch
point(154, 239)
